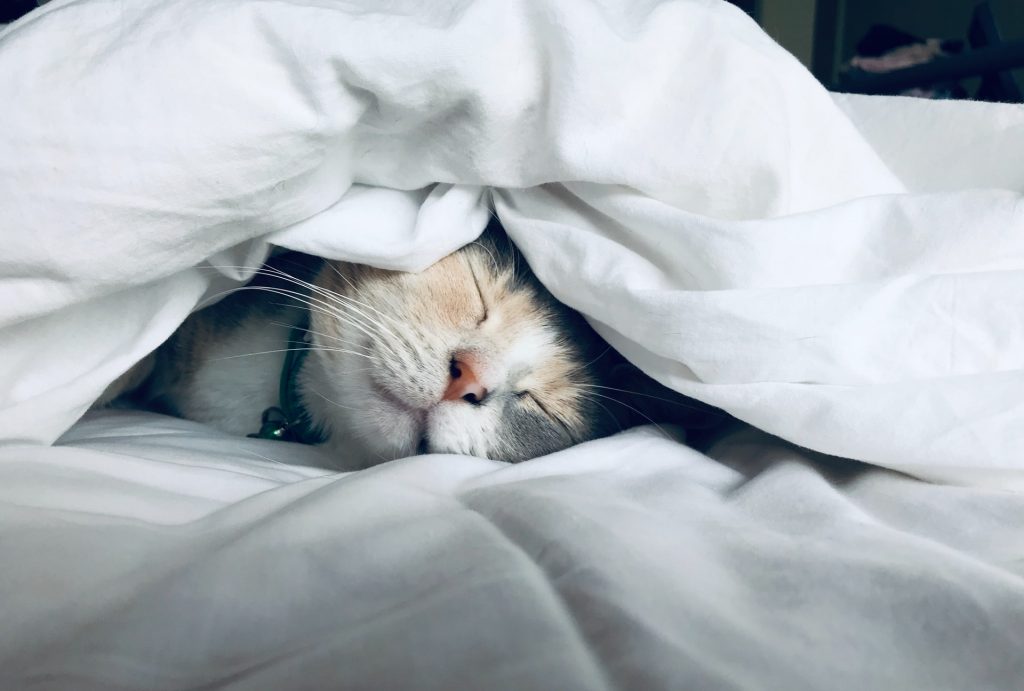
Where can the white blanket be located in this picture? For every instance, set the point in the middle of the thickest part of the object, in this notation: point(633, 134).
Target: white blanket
point(844, 272)
point(826, 269)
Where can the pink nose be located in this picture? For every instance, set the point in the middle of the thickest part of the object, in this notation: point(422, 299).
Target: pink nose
point(464, 383)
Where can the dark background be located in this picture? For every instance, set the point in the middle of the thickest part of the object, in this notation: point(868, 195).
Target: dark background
point(823, 34)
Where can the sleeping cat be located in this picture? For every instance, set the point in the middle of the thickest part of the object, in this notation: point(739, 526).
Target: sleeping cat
point(470, 356)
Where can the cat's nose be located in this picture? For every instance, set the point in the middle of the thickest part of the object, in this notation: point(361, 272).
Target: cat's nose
point(464, 382)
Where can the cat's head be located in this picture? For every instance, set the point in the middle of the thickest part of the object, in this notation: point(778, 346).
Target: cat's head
point(470, 356)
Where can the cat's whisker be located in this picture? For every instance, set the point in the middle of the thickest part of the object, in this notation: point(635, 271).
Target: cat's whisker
point(343, 341)
point(374, 337)
point(603, 353)
point(286, 350)
point(333, 402)
point(681, 404)
point(332, 295)
point(626, 405)
point(342, 276)
point(304, 300)
point(365, 321)
point(335, 349)
point(605, 409)
point(322, 307)
point(367, 325)
point(337, 300)
point(274, 272)
point(357, 302)
point(207, 301)
point(351, 285)
point(485, 248)
point(338, 315)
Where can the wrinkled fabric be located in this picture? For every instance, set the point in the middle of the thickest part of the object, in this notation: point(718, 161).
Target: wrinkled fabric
point(842, 272)
point(145, 552)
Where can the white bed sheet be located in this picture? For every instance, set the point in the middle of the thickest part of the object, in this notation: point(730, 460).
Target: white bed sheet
point(150, 553)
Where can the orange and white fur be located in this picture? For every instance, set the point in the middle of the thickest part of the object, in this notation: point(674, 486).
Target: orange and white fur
point(471, 356)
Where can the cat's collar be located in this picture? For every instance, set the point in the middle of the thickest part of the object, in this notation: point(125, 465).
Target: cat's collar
point(289, 421)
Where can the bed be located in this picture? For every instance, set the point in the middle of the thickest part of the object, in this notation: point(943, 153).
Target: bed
point(843, 274)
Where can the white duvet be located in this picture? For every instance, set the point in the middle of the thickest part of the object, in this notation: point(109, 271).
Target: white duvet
point(845, 273)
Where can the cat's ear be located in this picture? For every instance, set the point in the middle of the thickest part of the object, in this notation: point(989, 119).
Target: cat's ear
point(641, 400)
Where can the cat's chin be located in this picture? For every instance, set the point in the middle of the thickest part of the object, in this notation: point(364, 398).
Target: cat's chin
point(375, 433)
point(366, 426)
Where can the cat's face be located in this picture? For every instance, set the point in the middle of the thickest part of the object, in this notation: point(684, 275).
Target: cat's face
point(470, 356)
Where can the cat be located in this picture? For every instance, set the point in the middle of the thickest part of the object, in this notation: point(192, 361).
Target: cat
point(470, 356)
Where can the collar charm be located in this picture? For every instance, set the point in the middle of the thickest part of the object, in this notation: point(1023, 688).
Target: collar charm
point(273, 425)
point(288, 421)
